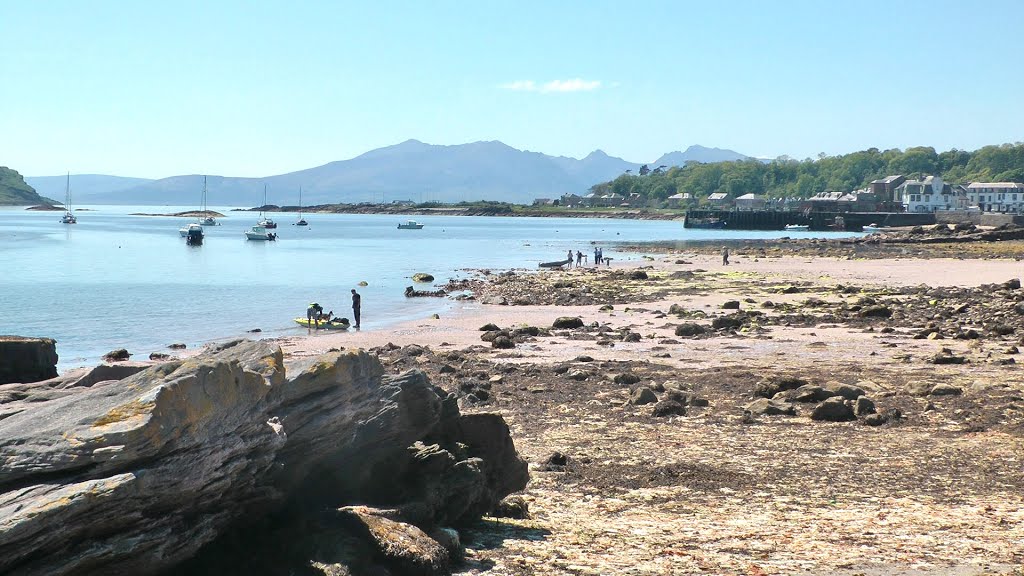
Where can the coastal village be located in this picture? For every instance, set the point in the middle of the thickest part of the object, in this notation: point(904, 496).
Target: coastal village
point(891, 194)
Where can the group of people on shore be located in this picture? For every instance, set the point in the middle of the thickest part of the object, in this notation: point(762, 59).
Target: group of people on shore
point(580, 258)
point(315, 313)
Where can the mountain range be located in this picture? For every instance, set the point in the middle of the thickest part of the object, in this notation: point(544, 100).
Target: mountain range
point(411, 170)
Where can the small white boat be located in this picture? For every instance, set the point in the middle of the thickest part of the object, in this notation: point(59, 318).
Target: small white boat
point(872, 228)
point(410, 225)
point(259, 233)
point(796, 228)
point(68, 217)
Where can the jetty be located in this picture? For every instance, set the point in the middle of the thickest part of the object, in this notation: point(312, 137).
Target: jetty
point(779, 219)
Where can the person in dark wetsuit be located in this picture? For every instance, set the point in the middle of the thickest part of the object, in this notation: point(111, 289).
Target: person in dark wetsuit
point(356, 306)
point(313, 314)
point(579, 258)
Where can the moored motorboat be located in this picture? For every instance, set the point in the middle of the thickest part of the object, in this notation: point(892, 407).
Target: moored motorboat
point(555, 264)
point(872, 228)
point(259, 233)
point(193, 234)
point(410, 225)
point(797, 228)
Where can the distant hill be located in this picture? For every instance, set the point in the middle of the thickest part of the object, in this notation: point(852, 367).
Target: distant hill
point(698, 154)
point(15, 192)
point(82, 185)
point(411, 170)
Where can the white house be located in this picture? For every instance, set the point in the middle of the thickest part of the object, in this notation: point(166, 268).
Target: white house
point(718, 199)
point(679, 199)
point(749, 202)
point(930, 195)
point(996, 196)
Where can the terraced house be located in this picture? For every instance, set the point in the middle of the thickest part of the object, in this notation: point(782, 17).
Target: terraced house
point(997, 196)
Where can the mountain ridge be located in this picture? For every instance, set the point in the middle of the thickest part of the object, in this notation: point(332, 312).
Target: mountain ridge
point(409, 170)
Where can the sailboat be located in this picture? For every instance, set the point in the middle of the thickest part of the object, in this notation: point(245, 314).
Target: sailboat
point(68, 217)
point(302, 221)
point(265, 222)
point(206, 220)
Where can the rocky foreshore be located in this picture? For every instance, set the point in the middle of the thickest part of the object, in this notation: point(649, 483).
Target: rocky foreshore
point(172, 468)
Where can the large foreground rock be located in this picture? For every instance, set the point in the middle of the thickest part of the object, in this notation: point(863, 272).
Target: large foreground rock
point(134, 476)
point(27, 359)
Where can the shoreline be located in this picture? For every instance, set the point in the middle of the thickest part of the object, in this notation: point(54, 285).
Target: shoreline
point(935, 490)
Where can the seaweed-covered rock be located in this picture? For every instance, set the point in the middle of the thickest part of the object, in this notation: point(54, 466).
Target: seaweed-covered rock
point(567, 322)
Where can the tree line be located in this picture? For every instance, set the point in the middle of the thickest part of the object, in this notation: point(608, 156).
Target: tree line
point(786, 177)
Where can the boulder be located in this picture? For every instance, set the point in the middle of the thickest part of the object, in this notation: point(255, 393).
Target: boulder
point(945, 390)
point(119, 355)
point(876, 312)
point(835, 409)
point(642, 395)
point(847, 391)
point(667, 408)
point(732, 321)
point(771, 407)
point(401, 546)
point(25, 359)
point(863, 406)
point(731, 305)
point(134, 476)
point(772, 385)
point(810, 393)
point(626, 378)
point(422, 277)
point(883, 417)
point(638, 275)
point(690, 329)
point(503, 342)
point(489, 327)
point(512, 507)
point(567, 322)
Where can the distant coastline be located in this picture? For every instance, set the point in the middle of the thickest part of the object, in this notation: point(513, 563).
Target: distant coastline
point(514, 210)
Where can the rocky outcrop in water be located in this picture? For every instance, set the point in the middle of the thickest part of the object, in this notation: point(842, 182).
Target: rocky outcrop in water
point(27, 359)
point(134, 476)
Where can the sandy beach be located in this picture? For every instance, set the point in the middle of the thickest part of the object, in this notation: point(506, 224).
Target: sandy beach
point(935, 489)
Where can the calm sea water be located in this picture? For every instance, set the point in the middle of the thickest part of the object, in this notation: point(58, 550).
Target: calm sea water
point(115, 280)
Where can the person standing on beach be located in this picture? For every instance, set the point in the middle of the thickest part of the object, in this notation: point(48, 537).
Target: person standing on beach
point(357, 304)
point(725, 256)
point(579, 258)
point(570, 258)
point(596, 261)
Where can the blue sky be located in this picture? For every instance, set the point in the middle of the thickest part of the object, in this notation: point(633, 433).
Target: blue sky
point(252, 88)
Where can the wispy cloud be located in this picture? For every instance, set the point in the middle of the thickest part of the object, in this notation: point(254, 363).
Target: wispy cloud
point(570, 85)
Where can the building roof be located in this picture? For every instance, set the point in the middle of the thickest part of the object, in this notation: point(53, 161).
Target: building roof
point(750, 197)
point(718, 196)
point(887, 179)
point(974, 185)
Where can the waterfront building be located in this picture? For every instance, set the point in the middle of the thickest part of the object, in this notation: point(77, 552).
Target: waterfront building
point(996, 196)
point(930, 195)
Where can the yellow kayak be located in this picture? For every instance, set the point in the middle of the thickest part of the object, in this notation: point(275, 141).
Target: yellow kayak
point(334, 324)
